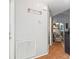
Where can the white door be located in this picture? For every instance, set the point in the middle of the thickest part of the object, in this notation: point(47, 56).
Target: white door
point(31, 33)
point(25, 32)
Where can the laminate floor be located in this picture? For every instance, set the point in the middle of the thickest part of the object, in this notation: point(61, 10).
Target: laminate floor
point(56, 51)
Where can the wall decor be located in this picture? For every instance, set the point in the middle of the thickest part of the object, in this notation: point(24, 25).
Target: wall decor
point(34, 11)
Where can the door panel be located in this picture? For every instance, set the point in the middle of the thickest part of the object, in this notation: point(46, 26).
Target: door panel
point(25, 49)
point(67, 42)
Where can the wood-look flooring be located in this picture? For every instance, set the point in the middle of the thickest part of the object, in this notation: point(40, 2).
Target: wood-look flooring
point(56, 52)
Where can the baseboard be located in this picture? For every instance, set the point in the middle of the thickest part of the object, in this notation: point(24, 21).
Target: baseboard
point(40, 55)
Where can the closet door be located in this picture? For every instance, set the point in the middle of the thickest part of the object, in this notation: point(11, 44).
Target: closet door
point(31, 33)
point(25, 31)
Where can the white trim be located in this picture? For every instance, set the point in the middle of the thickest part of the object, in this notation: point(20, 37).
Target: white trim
point(51, 42)
point(12, 29)
point(40, 55)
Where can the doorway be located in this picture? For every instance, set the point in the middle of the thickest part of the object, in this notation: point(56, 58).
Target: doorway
point(58, 32)
point(57, 49)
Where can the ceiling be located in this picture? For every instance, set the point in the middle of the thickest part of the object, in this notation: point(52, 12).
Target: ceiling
point(56, 6)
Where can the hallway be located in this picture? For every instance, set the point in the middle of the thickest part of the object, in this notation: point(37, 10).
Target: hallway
point(56, 52)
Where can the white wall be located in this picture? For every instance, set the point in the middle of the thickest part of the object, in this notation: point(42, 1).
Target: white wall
point(31, 29)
